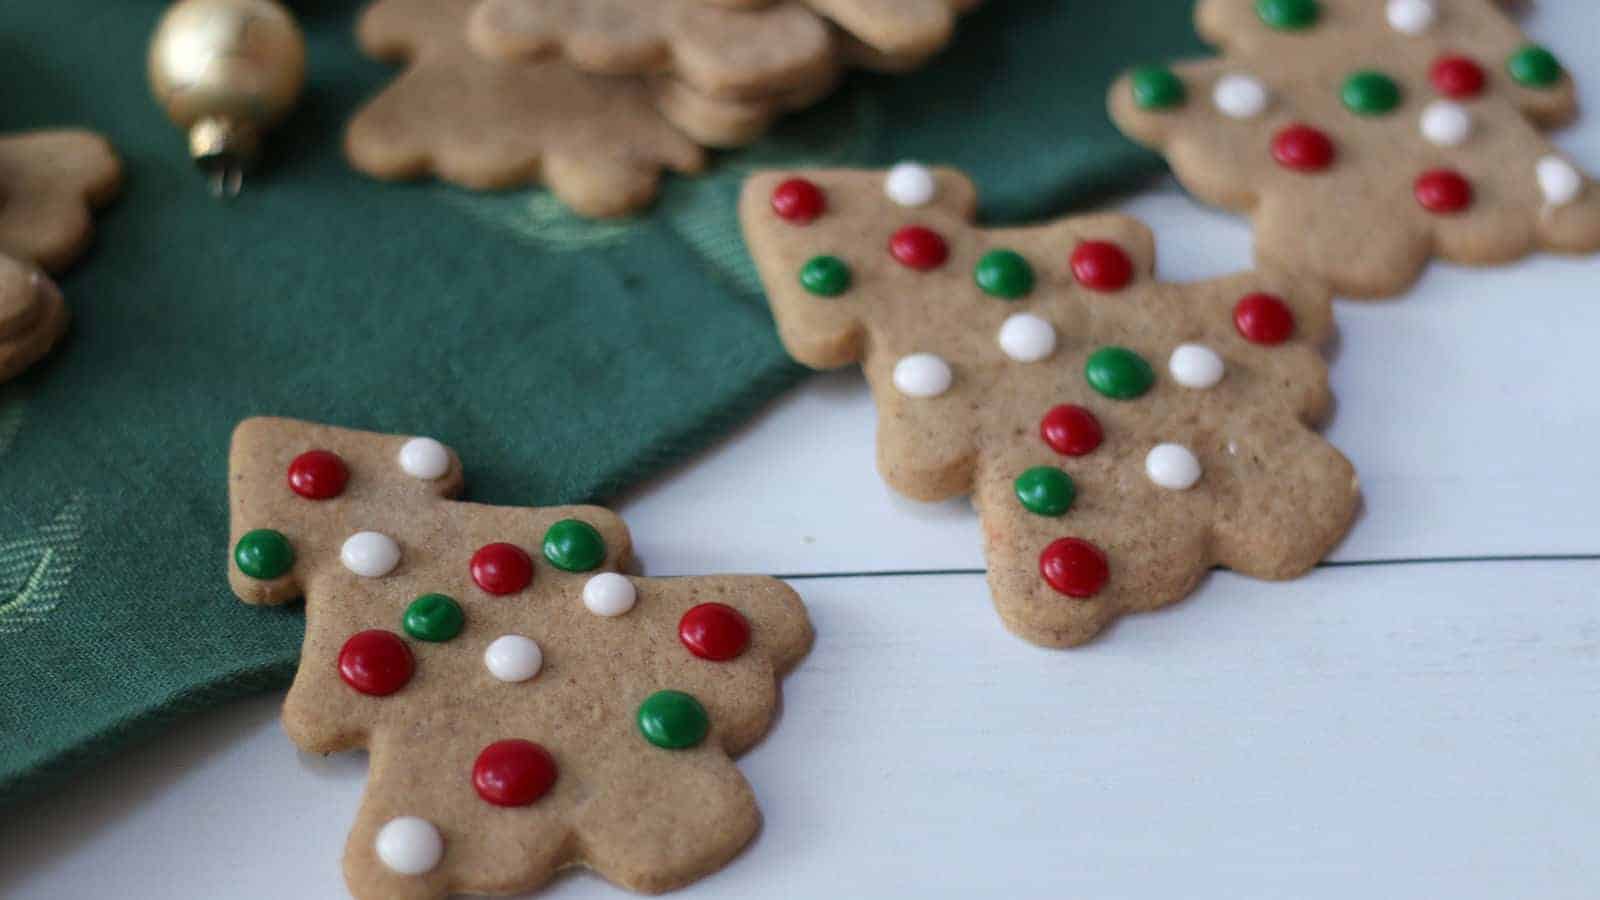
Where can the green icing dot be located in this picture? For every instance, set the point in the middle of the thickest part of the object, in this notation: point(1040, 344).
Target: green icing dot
point(1004, 273)
point(1370, 93)
point(1155, 87)
point(263, 554)
point(1534, 66)
point(673, 720)
point(1046, 491)
point(574, 546)
point(433, 617)
point(1119, 373)
point(825, 276)
point(1288, 15)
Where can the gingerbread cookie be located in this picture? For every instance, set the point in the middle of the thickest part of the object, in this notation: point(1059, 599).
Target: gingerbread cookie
point(32, 316)
point(741, 51)
point(1364, 137)
point(597, 142)
point(1119, 436)
point(49, 182)
point(526, 706)
point(731, 53)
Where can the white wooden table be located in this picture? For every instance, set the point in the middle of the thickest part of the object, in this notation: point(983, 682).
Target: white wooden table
point(1421, 718)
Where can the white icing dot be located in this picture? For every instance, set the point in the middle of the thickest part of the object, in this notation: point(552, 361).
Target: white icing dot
point(1027, 338)
point(922, 375)
point(609, 594)
point(512, 657)
point(1196, 366)
point(1239, 96)
point(1558, 180)
point(409, 845)
point(1172, 466)
point(370, 554)
point(1446, 123)
point(909, 184)
point(1411, 16)
point(425, 458)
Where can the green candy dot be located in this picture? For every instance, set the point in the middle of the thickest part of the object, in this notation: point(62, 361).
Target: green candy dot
point(1118, 373)
point(825, 276)
point(1534, 66)
point(1046, 491)
point(1370, 93)
point(433, 617)
point(673, 720)
point(263, 554)
point(1288, 15)
point(1157, 88)
point(1004, 274)
point(574, 546)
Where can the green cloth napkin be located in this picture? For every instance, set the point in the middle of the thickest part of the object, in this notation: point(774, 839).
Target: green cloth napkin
point(564, 359)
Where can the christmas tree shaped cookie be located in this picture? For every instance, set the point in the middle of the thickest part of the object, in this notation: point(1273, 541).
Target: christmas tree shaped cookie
point(1365, 136)
point(49, 182)
point(526, 706)
point(1119, 436)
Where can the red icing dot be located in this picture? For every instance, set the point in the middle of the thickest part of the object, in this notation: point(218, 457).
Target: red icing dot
point(502, 568)
point(375, 662)
point(798, 201)
point(1303, 149)
point(1074, 567)
point(918, 248)
point(1443, 191)
point(714, 631)
point(1263, 319)
point(513, 773)
point(1457, 77)
point(318, 475)
point(1071, 430)
point(1101, 266)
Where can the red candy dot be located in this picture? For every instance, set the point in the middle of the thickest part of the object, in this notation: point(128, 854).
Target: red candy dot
point(1071, 430)
point(1263, 319)
point(513, 773)
point(1303, 149)
point(714, 631)
point(1443, 191)
point(1074, 567)
point(918, 248)
point(798, 200)
point(502, 568)
point(375, 662)
point(318, 475)
point(1101, 266)
point(1457, 77)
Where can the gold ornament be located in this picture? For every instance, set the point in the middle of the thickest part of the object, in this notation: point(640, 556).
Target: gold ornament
point(225, 71)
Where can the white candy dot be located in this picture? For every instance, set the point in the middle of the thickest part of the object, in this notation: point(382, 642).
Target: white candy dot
point(609, 594)
point(424, 458)
point(370, 554)
point(1411, 16)
point(922, 375)
point(1446, 123)
point(909, 184)
point(1239, 96)
point(512, 657)
point(1027, 338)
point(1172, 466)
point(1558, 180)
point(409, 845)
point(1196, 366)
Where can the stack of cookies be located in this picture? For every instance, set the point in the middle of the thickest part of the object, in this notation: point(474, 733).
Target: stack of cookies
point(595, 97)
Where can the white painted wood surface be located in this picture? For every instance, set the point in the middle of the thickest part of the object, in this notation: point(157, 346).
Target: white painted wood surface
point(1370, 731)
